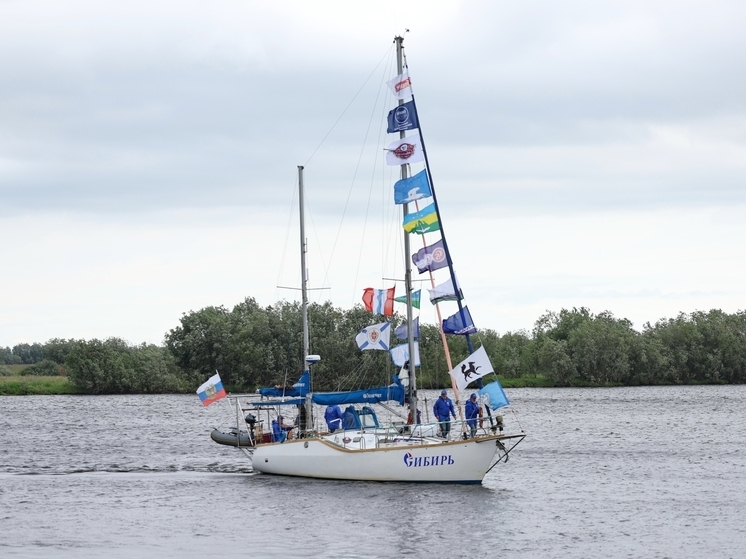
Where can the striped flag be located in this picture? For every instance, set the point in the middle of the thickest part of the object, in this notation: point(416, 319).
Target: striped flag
point(423, 221)
point(212, 390)
point(379, 301)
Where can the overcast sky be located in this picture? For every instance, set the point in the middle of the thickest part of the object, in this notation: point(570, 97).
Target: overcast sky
point(584, 154)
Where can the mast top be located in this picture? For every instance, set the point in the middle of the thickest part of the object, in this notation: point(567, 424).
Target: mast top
point(399, 38)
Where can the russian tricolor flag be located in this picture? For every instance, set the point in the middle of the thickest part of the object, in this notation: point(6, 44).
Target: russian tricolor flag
point(212, 390)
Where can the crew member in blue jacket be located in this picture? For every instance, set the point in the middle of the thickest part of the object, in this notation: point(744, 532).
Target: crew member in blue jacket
point(443, 410)
point(472, 413)
point(280, 430)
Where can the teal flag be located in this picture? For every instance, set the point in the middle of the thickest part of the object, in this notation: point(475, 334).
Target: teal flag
point(415, 299)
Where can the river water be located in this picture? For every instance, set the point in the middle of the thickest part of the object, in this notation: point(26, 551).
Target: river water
point(653, 472)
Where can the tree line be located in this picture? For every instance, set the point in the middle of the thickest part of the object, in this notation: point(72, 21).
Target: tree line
point(253, 346)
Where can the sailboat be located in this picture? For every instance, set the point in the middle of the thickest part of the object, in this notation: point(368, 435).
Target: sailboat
point(363, 448)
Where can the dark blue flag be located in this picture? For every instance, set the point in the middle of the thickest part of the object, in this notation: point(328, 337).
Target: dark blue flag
point(401, 331)
point(403, 117)
point(430, 258)
point(458, 324)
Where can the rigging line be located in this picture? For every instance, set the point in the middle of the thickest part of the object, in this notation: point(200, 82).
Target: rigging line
point(287, 240)
point(361, 372)
point(347, 380)
point(318, 244)
point(395, 228)
point(388, 50)
point(392, 210)
point(370, 190)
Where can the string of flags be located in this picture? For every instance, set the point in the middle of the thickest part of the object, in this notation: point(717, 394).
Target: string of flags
point(433, 256)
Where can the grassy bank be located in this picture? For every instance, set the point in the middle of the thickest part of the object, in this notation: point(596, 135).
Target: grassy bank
point(27, 385)
point(18, 385)
point(527, 382)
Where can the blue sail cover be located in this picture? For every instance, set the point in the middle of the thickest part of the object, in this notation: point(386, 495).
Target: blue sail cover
point(299, 389)
point(393, 392)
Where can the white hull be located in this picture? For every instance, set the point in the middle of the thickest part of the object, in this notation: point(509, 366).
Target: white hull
point(450, 462)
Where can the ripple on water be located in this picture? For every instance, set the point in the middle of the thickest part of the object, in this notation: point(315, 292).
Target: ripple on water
point(625, 472)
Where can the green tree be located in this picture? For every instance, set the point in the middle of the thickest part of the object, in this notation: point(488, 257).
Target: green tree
point(28, 353)
point(200, 345)
point(555, 363)
point(8, 358)
point(57, 349)
point(114, 367)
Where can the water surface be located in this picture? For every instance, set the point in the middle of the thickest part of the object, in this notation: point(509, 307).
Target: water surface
point(625, 472)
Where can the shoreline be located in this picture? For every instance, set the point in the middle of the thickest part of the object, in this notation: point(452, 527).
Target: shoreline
point(18, 385)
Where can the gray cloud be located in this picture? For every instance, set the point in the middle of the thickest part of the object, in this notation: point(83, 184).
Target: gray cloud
point(122, 123)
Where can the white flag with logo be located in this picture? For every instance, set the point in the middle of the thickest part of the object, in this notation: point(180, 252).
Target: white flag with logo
point(470, 369)
point(406, 150)
point(374, 337)
point(445, 292)
point(401, 86)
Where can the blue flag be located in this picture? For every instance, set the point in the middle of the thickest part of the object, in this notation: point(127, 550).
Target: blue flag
point(496, 393)
point(456, 324)
point(401, 331)
point(412, 188)
point(403, 117)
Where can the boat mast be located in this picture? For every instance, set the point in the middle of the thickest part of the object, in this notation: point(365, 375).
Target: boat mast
point(304, 297)
point(303, 274)
point(412, 388)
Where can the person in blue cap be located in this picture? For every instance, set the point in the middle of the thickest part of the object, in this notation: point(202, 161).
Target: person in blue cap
point(443, 410)
point(472, 413)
